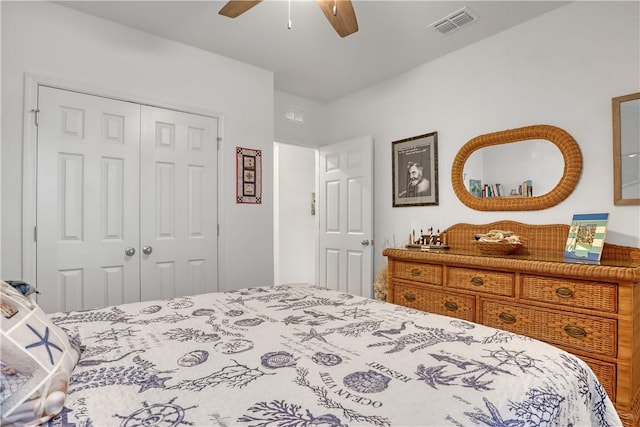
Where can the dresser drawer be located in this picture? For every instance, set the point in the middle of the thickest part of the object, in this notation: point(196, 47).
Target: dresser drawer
point(592, 334)
point(449, 304)
point(417, 272)
point(493, 282)
point(575, 293)
point(606, 373)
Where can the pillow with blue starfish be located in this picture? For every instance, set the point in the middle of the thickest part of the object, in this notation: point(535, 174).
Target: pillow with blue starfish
point(36, 361)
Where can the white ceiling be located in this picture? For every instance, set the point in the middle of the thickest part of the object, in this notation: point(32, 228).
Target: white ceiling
point(310, 60)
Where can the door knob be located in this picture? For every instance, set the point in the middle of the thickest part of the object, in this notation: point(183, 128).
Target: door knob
point(130, 251)
point(365, 243)
point(147, 250)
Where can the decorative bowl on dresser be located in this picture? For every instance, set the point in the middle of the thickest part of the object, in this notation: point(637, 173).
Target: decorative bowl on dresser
point(590, 310)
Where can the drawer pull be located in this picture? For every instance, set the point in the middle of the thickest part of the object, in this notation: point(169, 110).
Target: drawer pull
point(451, 306)
point(507, 318)
point(564, 292)
point(575, 331)
point(477, 281)
point(415, 272)
point(409, 297)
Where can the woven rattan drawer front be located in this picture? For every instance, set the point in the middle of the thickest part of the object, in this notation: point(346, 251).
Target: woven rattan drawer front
point(593, 334)
point(606, 373)
point(575, 293)
point(449, 304)
point(425, 273)
point(493, 282)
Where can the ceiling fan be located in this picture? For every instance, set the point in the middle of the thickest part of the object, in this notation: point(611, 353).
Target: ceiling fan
point(339, 13)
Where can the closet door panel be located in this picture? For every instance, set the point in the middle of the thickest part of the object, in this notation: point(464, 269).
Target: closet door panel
point(87, 200)
point(178, 203)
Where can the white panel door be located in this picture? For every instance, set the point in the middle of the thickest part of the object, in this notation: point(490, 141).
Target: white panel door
point(87, 200)
point(346, 216)
point(178, 203)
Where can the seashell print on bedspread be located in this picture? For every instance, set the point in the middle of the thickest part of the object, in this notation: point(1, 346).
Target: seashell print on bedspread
point(301, 355)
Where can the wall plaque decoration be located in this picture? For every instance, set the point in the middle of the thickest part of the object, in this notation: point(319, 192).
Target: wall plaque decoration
point(248, 175)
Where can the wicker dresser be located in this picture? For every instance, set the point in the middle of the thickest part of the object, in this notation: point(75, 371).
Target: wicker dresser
point(592, 311)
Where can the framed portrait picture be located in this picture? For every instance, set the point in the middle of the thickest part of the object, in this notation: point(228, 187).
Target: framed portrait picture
point(414, 170)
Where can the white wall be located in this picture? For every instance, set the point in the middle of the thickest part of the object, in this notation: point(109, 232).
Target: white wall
point(561, 69)
point(310, 132)
point(296, 227)
point(58, 43)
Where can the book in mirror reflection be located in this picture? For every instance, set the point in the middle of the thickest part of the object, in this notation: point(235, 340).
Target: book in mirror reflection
point(586, 238)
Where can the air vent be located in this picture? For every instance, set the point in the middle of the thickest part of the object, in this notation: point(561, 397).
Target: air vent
point(454, 21)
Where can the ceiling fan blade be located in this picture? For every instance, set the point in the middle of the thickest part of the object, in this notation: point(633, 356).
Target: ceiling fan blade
point(343, 19)
point(235, 8)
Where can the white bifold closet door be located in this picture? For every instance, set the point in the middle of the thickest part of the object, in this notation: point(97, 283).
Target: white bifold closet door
point(126, 202)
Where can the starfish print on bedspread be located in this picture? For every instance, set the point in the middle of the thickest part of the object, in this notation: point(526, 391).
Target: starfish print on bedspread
point(431, 337)
point(142, 373)
point(312, 334)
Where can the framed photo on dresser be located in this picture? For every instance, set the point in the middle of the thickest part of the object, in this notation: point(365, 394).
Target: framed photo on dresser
point(586, 237)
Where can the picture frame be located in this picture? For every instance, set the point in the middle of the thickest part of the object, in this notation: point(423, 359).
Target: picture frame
point(414, 170)
point(475, 187)
point(586, 237)
point(248, 175)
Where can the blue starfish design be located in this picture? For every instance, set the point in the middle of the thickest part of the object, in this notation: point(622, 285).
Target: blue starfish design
point(153, 381)
point(44, 341)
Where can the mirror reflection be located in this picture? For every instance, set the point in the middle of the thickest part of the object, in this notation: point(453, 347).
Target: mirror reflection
point(538, 158)
point(629, 152)
point(520, 169)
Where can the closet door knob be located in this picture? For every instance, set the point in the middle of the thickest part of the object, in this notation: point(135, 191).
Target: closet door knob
point(130, 251)
point(147, 250)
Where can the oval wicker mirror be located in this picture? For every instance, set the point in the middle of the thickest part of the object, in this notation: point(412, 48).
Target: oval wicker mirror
point(572, 169)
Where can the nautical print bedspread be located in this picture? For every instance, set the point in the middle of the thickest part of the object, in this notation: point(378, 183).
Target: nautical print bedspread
point(299, 355)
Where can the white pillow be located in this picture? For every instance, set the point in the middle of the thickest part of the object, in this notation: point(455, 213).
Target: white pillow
point(36, 361)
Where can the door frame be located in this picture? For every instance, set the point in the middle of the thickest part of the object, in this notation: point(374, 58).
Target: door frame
point(30, 157)
point(276, 209)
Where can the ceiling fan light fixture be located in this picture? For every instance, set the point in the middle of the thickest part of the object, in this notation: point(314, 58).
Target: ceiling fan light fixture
point(344, 23)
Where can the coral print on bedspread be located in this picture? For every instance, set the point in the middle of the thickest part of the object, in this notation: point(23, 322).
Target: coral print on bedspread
point(301, 355)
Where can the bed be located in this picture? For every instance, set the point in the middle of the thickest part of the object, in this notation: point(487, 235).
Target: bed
point(301, 355)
